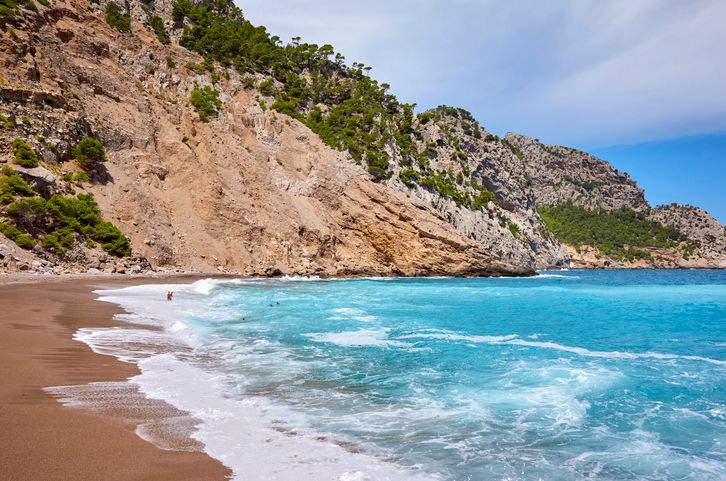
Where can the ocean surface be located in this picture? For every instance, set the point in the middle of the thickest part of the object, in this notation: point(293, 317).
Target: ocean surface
point(574, 375)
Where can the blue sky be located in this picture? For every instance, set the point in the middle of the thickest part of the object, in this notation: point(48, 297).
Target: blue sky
point(640, 83)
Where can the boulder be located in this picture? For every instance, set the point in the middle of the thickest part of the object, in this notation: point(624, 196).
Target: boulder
point(39, 179)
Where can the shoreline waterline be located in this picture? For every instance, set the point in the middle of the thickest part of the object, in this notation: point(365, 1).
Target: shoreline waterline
point(214, 357)
point(42, 439)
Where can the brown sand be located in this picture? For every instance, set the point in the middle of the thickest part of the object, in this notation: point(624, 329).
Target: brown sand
point(40, 439)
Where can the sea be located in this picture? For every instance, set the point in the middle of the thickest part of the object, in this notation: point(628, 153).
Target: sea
point(570, 375)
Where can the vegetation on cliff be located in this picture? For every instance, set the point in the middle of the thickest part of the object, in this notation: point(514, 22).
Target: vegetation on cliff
point(88, 152)
point(156, 23)
point(11, 185)
point(617, 234)
point(7, 8)
point(348, 109)
point(443, 156)
point(25, 156)
point(58, 221)
point(117, 17)
point(205, 101)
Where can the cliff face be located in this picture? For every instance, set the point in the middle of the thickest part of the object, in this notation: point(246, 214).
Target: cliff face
point(253, 192)
point(561, 174)
point(508, 224)
point(256, 192)
point(708, 237)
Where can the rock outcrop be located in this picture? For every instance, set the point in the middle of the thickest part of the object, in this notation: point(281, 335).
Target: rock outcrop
point(561, 174)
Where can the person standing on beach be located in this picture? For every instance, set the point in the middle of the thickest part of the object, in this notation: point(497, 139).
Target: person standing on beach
point(170, 295)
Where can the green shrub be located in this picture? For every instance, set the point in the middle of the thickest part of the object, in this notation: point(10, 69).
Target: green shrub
point(88, 152)
point(6, 123)
point(408, 177)
point(78, 177)
point(78, 212)
point(515, 150)
point(13, 34)
point(248, 81)
point(206, 101)
point(27, 210)
point(24, 154)
point(157, 25)
point(11, 232)
point(180, 9)
point(7, 8)
point(197, 68)
point(11, 184)
point(58, 216)
point(588, 185)
point(58, 241)
point(111, 238)
point(170, 62)
point(117, 18)
point(266, 88)
point(425, 118)
point(481, 198)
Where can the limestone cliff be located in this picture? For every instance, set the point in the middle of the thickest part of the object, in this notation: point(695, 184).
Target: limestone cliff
point(255, 190)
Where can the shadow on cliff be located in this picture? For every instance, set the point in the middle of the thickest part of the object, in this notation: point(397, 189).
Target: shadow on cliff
point(99, 174)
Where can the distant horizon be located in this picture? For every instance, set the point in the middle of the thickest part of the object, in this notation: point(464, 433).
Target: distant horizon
point(616, 80)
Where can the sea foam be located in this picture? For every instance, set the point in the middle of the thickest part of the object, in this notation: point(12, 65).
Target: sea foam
point(243, 434)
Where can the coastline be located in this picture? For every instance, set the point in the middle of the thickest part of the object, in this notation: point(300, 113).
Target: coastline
point(43, 439)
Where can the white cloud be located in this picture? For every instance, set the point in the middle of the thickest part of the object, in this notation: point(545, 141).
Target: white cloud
point(581, 72)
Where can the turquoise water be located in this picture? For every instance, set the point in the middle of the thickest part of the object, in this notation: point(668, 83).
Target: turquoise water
point(605, 375)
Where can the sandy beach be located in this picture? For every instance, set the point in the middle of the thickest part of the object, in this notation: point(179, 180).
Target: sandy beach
point(42, 439)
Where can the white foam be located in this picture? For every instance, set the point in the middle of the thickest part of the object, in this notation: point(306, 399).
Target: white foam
point(128, 344)
point(361, 337)
point(238, 432)
point(352, 313)
point(612, 354)
point(515, 340)
point(459, 337)
point(553, 276)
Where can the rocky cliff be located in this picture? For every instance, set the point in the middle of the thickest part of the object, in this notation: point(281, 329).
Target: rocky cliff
point(220, 164)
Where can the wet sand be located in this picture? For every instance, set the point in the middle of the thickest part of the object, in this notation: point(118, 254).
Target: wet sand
point(40, 439)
